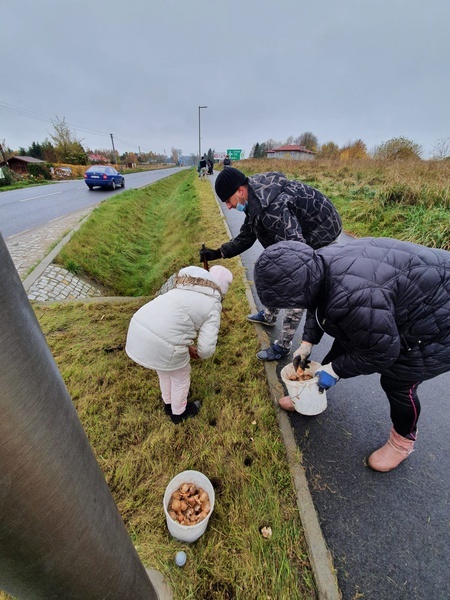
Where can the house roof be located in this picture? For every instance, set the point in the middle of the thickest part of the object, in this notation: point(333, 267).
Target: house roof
point(292, 148)
point(26, 159)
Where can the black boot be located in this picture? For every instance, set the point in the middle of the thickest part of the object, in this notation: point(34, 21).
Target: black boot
point(168, 406)
point(192, 409)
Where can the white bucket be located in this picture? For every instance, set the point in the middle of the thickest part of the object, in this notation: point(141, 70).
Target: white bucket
point(187, 533)
point(305, 394)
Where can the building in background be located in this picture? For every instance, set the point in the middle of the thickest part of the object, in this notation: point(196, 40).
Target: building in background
point(19, 164)
point(291, 152)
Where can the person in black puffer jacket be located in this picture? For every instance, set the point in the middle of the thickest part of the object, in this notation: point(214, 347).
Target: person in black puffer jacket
point(276, 209)
point(385, 302)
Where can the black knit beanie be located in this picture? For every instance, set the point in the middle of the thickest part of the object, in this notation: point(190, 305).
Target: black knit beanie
point(228, 181)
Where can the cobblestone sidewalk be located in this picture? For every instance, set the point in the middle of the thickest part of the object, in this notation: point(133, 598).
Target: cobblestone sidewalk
point(57, 283)
point(34, 248)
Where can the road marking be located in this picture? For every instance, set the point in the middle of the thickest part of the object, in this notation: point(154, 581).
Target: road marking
point(43, 196)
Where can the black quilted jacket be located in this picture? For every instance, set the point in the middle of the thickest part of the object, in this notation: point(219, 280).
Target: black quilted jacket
point(386, 301)
point(280, 209)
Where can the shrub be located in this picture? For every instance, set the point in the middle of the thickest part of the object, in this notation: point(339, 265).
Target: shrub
point(8, 177)
point(400, 148)
point(38, 170)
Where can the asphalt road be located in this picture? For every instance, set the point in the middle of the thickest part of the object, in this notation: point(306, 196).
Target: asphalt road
point(388, 533)
point(30, 207)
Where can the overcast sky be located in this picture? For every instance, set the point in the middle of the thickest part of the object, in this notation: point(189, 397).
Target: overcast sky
point(342, 69)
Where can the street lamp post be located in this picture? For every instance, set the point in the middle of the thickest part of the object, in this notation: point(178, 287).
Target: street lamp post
point(199, 138)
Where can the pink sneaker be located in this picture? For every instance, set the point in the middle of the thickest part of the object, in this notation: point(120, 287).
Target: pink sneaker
point(286, 403)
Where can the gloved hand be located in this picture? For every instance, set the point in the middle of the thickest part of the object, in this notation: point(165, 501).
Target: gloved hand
point(210, 254)
point(301, 355)
point(327, 378)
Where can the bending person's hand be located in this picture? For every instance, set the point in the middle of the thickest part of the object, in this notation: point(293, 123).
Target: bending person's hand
point(327, 377)
point(210, 254)
point(301, 355)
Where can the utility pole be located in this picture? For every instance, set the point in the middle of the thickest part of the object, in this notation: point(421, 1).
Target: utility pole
point(3, 154)
point(114, 150)
point(199, 137)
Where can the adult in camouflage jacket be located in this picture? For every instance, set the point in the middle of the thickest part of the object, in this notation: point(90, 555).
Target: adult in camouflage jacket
point(276, 209)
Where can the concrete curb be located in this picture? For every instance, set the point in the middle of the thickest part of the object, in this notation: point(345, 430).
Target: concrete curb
point(319, 555)
point(160, 585)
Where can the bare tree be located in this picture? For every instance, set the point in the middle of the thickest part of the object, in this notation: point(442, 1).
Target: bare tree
point(176, 155)
point(270, 144)
point(68, 147)
point(308, 140)
point(441, 149)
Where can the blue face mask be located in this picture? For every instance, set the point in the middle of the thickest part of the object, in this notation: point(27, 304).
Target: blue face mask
point(241, 207)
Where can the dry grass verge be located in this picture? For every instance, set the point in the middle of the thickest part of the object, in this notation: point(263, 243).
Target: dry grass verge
point(408, 200)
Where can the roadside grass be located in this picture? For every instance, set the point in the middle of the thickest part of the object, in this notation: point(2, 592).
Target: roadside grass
point(409, 200)
point(234, 440)
point(24, 184)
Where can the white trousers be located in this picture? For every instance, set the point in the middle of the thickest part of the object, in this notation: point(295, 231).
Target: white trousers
point(175, 387)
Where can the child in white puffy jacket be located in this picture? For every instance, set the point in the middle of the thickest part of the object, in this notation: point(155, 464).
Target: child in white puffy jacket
point(161, 333)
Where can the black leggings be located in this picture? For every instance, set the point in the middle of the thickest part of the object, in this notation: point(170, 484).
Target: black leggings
point(402, 396)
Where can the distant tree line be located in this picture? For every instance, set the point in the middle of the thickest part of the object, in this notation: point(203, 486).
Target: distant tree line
point(400, 148)
point(65, 147)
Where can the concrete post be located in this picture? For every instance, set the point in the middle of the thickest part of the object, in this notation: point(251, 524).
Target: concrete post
point(61, 534)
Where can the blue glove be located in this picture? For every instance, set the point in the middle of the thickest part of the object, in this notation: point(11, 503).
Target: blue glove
point(327, 378)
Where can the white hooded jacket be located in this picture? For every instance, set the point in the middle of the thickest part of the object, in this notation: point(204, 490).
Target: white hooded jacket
point(161, 331)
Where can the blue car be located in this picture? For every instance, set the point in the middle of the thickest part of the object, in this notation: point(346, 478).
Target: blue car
point(101, 176)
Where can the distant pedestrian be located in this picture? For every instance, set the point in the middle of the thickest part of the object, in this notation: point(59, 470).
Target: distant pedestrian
point(210, 167)
point(161, 333)
point(275, 209)
point(227, 161)
point(386, 303)
point(202, 167)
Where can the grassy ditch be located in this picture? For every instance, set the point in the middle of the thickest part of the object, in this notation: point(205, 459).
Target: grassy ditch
point(133, 242)
point(235, 439)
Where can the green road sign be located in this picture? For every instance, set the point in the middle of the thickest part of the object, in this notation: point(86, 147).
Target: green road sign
point(235, 154)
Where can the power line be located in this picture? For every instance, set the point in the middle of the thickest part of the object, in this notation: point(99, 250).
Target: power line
point(23, 112)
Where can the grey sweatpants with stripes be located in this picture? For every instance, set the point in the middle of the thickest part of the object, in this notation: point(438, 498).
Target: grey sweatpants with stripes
point(292, 318)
